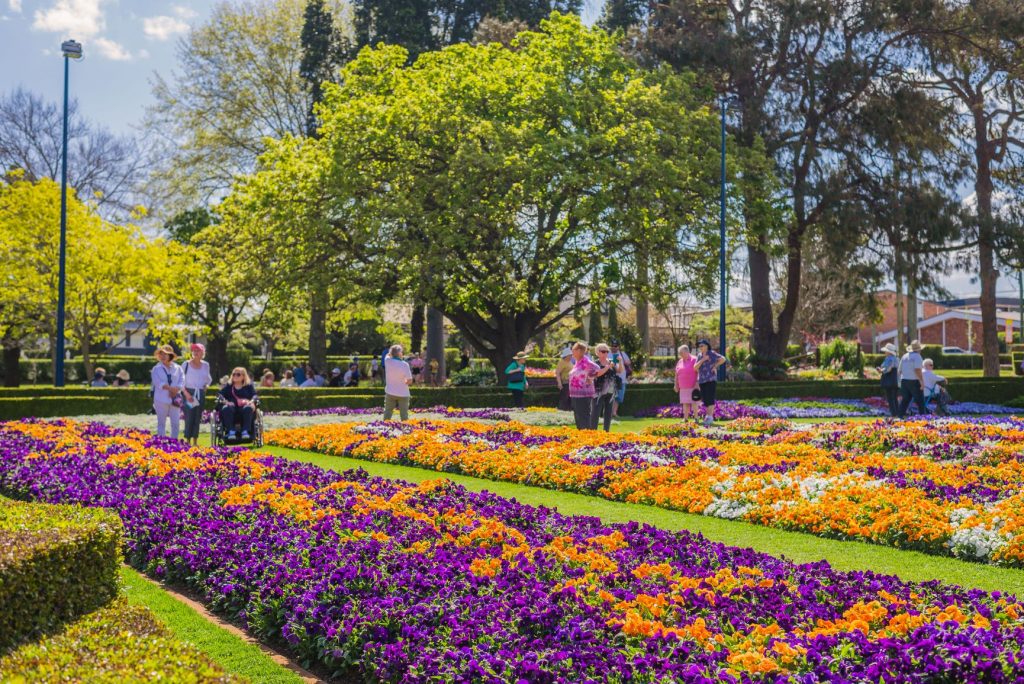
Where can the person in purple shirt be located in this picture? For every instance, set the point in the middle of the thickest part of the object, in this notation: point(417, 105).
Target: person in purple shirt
point(707, 365)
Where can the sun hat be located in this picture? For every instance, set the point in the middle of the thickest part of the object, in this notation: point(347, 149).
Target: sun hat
point(566, 351)
point(335, 371)
point(197, 347)
point(166, 349)
point(890, 348)
point(521, 355)
point(123, 374)
point(915, 346)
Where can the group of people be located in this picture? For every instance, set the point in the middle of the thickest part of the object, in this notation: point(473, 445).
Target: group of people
point(180, 389)
point(911, 379)
point(120, 379)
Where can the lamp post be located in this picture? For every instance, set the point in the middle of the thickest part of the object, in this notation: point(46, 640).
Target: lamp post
point(71, 50)
point(721, 250)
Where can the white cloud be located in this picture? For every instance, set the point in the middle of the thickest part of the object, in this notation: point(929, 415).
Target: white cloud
point(181, 11)
point(72, 18)
point(15, 5)
point(111, 49)
point(163, 27)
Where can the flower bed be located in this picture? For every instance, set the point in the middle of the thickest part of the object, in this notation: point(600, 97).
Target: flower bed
point(397, 582)
point(950, 486)
point(817, 407)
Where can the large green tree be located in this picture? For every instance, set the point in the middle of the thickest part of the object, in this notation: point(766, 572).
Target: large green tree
point(490, 181)
point(794, 70)
point(974, 58)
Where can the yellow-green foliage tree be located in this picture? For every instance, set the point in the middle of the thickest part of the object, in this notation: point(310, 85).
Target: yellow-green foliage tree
point(114, 273)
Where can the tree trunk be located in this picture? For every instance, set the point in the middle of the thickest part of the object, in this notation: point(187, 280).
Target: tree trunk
point(416, 328)
point(501, 356)
point(12, 370)
point(435, 342)
point(643, 310)
point(318, 332)
point(217, 356)
point(498, 338)
point(911, 301)
point(986, 243)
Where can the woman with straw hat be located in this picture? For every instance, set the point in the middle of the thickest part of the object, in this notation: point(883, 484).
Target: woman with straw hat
point(168, 382)
point(890, 377)
point(515, 376)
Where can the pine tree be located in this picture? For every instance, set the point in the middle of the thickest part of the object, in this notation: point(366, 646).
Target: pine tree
point(323, 51)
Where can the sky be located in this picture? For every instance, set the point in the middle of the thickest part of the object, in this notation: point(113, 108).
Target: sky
point(126, 41)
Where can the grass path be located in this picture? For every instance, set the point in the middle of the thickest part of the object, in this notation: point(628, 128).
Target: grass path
point(234, 652)
point(796, 546)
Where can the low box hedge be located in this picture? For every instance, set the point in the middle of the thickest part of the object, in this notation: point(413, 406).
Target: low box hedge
point(56, 563)
point(117, 643)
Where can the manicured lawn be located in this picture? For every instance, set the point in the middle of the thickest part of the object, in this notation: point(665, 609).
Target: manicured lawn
point(228, 650)
point(908, 565)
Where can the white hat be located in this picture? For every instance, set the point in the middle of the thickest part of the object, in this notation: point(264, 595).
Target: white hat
point(566, 351)
point(890, 348)
point(336, 371)
point(914, 346)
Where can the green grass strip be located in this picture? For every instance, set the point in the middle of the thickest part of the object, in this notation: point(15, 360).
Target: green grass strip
point(796, 546)
point(226, 649)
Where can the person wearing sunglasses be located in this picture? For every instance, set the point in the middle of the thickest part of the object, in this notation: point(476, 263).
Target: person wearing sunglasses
point(238, 410)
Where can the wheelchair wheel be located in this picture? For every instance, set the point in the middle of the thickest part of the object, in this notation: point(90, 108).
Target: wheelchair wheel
point(214, 424)
point(257, 429)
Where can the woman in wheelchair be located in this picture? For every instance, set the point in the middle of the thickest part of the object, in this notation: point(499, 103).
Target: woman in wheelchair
point(238, 409)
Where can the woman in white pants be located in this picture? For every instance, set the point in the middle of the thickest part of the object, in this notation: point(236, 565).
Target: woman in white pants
point(168, 382)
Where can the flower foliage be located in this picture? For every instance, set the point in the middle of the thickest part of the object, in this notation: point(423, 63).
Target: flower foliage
point(389, 581)
point(949, 487)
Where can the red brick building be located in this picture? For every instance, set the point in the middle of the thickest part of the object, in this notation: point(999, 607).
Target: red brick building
point(949, 324)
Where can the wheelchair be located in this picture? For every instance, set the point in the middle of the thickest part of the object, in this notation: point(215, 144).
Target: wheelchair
point(219, 431)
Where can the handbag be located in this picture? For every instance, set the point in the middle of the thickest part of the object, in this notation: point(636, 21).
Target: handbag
point(176, 400)
point(695, 394)
point(515, 376)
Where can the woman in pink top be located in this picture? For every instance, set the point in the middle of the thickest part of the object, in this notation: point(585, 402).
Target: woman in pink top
point(686, 381)
point(581, 385)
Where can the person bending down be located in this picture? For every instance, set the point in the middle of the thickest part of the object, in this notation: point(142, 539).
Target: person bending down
point(239, 409)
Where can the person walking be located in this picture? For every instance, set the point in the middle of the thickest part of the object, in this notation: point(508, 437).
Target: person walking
point(562, 370)
point(911, 371)
point(605, 387)
point(686, 382)
point(581, 385)
point(398, 377)
point(168, 382)
point(621, 359)
point(707, 365)
point(889, 373)
point(196, 376)
point(515, 379)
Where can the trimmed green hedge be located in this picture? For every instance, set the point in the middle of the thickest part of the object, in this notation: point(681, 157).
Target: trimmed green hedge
point(118, 643)
point(45, 402)
point(942, 361)
point(58, 562)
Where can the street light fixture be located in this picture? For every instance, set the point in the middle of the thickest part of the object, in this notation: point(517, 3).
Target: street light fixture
point(70, 49)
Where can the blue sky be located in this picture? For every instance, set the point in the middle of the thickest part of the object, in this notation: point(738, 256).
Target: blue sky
point(124, 42)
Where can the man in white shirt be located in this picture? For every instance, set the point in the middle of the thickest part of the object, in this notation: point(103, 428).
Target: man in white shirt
point(911, 371)
point(935, 386)
point(397, 378)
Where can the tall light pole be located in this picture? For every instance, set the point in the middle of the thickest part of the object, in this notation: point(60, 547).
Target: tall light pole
point(71, 50)
point(721, 252)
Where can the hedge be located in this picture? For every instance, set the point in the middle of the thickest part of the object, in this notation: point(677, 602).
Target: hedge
point(50, 402)
point(117, 643)
point(943, 361)
point(58, 562)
